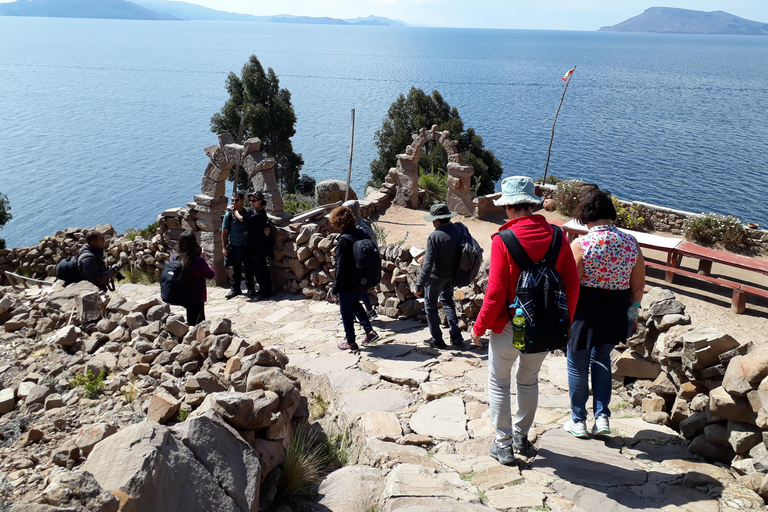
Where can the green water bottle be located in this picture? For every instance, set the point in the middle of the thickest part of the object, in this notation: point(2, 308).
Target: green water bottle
point(518, 329)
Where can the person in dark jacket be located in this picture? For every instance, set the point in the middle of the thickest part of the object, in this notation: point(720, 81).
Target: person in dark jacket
point(195, 271)
point(259, 243)
point(234, 246)
point(350, 295)
point(90, 261)
point(361, 223)
point(437, 273)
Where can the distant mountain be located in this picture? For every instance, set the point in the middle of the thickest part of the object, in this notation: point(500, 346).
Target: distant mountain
point(683, 21)
point(163, 10)
point(112, 9)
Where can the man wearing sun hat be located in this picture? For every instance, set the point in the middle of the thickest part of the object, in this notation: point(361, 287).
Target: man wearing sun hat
point(534, 233)
point(437, 273)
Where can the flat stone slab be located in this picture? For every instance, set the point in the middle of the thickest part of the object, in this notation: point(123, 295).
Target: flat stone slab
point(547, 416)
point(388, 351)
point(558, 401)
point(351, 380)
point(497, 476)
point(278, 315)
point(585, 461)
point(414, 480)
point(442, 419)
point(518, 496)
point(466, 464)
point(330, 364)
point(555, 370)
point(433, 390)
point(382, 425)
point(481, 428)
point(634, 430)
point(454, 368)
point(433, 505)
point(351, 489)
point(478, 377)
point(410, 378)
point(357, 403)
point(377, 453)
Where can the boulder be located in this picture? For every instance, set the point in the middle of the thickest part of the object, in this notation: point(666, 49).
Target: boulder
point(331, 191)
point(7, 400)
point(273, 379)
point(226, 456)
point(703, 345)
point(90, 435)
point(158, 472)
point(79, 489)
point(744, 373)
point(631, 364)
point(729, 407)
point(743, 436)
point(701, 446)
point(252, 411)
point(162, 407)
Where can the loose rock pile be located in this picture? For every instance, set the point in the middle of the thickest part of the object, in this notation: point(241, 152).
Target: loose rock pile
point(139, 367)
point(703, 383)
point(39, 261)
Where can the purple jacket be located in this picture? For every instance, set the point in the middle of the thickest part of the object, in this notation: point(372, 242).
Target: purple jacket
point(197, 273)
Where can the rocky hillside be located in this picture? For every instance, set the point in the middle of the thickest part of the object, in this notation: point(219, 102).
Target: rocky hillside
point(669, 20)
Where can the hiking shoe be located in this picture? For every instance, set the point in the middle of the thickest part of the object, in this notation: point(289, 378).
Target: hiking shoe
point(251, 294)
point(232, 293)
point(577, 428)
point(503, 454)
point(521, 444)
point(432, 342)
point(456, 339)
point(349, 346)
point(601, 426)
point(370, 337)
point(372, 315)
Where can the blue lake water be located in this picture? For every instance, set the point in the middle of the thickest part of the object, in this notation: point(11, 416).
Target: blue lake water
point(106, 120)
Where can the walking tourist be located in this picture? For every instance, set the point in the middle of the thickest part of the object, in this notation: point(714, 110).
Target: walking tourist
point(535, 235)
point(437, 272)
point(360, 222)
point(345, 285)
point(234, 242)
point(195, 270)
point(612, 276)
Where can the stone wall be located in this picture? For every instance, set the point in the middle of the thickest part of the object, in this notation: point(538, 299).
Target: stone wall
point(39, 261)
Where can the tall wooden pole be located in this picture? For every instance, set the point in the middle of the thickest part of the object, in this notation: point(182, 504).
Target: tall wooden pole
point(237, 166)
point(351, 148)
point(549, 151)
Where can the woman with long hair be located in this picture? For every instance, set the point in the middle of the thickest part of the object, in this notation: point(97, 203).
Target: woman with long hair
point(195, 271)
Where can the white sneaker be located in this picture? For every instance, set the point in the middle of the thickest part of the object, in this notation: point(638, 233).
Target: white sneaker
point(601, 426)
point(577, 428)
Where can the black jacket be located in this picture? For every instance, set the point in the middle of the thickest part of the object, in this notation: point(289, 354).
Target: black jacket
point(442, 257)
point(344, 278)
point(92, 268)
point(255, 223)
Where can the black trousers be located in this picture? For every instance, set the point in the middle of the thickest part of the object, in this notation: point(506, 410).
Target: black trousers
point(195, 312)
point(241, 260)
point(261, 271)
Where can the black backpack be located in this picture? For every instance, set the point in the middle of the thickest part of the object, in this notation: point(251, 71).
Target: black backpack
point(470, 259)
point(68, 270)
point(540, 292)
point(367, 262)
point(173, 286)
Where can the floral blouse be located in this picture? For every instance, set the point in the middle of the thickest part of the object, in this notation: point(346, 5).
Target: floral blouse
point(609, 257)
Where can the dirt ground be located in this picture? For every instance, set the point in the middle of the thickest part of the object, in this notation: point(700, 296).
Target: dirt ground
point(706, 304)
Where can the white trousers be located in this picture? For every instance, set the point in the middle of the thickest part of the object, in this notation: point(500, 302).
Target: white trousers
point(501, 358)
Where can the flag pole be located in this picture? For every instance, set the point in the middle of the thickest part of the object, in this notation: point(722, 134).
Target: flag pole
point(549, 151)
point(351, 147)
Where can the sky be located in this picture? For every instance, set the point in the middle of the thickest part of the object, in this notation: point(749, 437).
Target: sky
point(516, 14)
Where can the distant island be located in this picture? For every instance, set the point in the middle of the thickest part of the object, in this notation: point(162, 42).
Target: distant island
point(163, 10)
point(669, 20)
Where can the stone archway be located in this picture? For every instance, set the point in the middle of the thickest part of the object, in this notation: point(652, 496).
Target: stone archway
point(211, 203)
point(405, 176)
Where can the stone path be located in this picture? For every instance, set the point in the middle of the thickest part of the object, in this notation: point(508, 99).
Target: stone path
point(420, 423)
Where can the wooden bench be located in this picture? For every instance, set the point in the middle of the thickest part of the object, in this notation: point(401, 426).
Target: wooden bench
point(740, 291)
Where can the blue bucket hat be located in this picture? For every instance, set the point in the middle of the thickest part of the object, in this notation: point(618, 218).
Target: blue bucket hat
point(517, 190)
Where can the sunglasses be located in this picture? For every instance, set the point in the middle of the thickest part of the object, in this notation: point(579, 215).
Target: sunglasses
point(236, 199)
point(254, 200)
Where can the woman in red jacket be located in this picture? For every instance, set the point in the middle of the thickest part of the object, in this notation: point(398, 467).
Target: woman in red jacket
point(535, 235)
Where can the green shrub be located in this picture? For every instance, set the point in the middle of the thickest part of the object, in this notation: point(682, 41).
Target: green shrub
point(630, 217)
point(306, 185)
point(305, 464)
point(138, 276)
point(551, 180)
point(297, 203)
point(94, 386)
point(715, 229)
point(567, 196)
point(436, 185)
point(147, 233)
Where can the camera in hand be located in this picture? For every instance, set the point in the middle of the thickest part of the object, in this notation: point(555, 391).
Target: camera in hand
point(118, 276)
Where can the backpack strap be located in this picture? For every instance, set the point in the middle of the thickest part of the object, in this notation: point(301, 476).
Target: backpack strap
point(521, 257)
point(515, 249)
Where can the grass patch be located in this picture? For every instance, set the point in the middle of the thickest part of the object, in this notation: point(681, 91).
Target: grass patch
point(317, 407)
point(147, 233)
point(468, 477)
point(182, 415)
point(305, 464)
point(130, 391)
point(380, 232)
point(619, 406)
point(94, 385)
point(298, 203)
point(138, 276)
point(339, 449)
